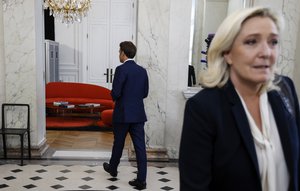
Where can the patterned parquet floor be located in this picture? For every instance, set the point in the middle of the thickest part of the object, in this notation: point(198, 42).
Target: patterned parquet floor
point(91, 140)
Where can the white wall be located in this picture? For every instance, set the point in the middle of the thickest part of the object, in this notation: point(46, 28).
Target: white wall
point(296, 75)
point(2, 68)
point(178, 58)
point(39, 73)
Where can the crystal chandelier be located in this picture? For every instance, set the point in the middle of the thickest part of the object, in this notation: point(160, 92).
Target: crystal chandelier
point(68, 11)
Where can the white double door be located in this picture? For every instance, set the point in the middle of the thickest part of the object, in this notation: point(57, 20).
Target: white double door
point(108, 23)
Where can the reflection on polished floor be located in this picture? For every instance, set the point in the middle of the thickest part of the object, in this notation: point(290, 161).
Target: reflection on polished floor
point(75, 163)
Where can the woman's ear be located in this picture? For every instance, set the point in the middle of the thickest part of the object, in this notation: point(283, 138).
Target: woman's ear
point(227, 57)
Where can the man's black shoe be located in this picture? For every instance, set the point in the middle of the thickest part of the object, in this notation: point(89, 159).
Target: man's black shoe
point(137, 184)
point(107, 169)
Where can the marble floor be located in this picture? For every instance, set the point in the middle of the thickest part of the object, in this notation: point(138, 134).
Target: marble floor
point(70, 171)
point(74, 162)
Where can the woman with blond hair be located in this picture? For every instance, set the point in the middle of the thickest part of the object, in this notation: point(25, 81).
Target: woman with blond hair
point(241, 132)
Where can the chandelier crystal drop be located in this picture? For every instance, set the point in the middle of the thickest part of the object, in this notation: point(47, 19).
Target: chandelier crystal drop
point(68, 11)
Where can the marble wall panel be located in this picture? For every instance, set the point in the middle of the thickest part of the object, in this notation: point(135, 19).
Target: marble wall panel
point(19, 50)
point(291, 14)
point(2, 68)
point(152, 53)
point(24, 59)
point(296, 76)
point(179, 49)
point(163, 48)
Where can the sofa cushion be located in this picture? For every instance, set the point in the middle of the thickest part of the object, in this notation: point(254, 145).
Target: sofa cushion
point(76, 90)
point(78, 93)
point(106, 117)
point(68, 122)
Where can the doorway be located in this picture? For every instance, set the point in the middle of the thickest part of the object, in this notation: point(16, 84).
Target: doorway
point(88, 51)
point(89, 54)
point(109, 22)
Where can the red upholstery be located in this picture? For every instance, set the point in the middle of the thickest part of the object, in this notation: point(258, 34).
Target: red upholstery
point(79, 93)
point(68, 122)
point(106, 118)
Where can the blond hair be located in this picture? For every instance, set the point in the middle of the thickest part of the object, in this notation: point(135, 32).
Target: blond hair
point(217, 73)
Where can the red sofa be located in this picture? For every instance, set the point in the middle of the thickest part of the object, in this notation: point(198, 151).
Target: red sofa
point(106, 118)
point(80, 93)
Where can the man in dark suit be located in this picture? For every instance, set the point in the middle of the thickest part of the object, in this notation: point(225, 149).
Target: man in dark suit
point(130, 87)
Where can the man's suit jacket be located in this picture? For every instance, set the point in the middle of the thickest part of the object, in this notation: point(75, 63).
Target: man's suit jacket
point(130, 87)
point(217, 150)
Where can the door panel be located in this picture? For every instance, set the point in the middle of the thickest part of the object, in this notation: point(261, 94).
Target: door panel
point(99, 11)
point(109, 22)
point(68, 40)
point(98, 54)
point(119, 34)
point(97, 42)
